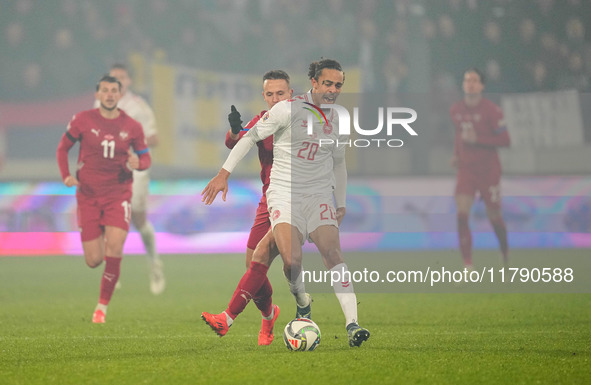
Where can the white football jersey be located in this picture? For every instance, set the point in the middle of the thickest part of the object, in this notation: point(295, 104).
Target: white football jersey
point(302, 163)
point(137, 107)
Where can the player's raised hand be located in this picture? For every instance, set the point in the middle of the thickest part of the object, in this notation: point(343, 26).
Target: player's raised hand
point(234, 120)
point(133, 161)
point(71, 181)
point(217, 184)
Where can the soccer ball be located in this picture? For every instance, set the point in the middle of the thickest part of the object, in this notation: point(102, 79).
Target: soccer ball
point(301, 334)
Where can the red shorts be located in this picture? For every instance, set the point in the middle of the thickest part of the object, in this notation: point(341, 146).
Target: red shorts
point(94, 213)
point(261, 225)
point(487, 184)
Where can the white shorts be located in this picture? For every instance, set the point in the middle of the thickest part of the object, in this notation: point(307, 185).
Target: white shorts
point(305, 212)
point(140, 191)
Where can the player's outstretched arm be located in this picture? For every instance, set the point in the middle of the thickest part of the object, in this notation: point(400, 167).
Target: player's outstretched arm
point(217, 184)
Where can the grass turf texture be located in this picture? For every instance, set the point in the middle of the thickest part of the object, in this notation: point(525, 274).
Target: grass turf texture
point(46, 334)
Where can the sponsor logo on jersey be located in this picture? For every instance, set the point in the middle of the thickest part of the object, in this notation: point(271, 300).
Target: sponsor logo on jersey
point(95, 131)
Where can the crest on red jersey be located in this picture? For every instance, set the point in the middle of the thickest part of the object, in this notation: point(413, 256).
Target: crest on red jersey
point(123, 135)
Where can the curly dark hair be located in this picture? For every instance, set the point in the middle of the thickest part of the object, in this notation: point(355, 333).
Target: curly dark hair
point(315, 68)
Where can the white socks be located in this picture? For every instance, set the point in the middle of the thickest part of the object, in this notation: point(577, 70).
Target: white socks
point(345, 293)
point(270, 317)
point(229, 319)
point(102, 308)
point(298, 289)
point(149, 239)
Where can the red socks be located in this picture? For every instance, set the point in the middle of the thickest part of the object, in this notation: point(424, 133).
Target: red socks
point(465, 238)
point(249, 286)
point(110, 278)
point(263, 298)
point(501, 232)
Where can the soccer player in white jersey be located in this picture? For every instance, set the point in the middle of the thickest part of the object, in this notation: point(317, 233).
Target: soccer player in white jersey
point(137, 107)
point(307, 173)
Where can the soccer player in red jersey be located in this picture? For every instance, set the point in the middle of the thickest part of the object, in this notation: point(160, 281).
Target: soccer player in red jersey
point(276, 87)
point(480, 130)
point(112, 145)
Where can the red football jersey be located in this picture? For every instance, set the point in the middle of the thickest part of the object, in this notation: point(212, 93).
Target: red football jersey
point(486, 119)
point(104, 145)
point(265, 150)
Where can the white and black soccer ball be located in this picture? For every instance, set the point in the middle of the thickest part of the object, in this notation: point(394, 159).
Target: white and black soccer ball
point(301, 334)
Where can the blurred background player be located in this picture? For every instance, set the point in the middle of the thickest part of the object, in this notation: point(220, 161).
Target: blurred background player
point(137, 107)
point(300, 196)
point(480, 130)
point(110, 143)
point(276, 87)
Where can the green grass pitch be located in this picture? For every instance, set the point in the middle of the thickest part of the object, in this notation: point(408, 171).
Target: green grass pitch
point(46, 334)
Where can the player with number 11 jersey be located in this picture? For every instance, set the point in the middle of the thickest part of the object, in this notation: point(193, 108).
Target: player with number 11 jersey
point(104, 145)
point(112, 145)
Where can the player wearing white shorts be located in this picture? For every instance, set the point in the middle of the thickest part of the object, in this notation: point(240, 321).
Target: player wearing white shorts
point(307, 170)
point(137, 107)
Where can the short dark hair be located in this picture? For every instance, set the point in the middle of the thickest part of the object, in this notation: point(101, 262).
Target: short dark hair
point(275, 75)
point(477, 72)
point(315, 68)
point(109, 79)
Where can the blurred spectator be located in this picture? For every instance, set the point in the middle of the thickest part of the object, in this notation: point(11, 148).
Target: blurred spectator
point(521, 44)
point(574, 76)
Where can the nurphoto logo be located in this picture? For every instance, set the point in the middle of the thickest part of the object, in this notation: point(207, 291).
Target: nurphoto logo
point(395, 116)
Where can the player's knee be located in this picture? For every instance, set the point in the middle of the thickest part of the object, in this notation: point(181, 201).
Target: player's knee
point(333, 257)
point(291, 267)
point(93, 260)
point(114, 249)
point(463, 219)
point(494, 214)
point(260, 255)
point(138, 218)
